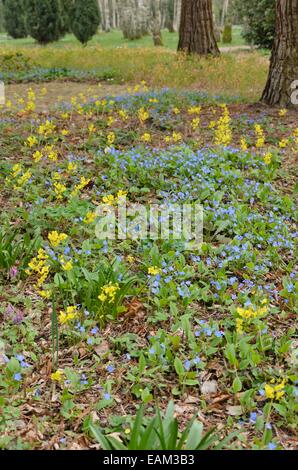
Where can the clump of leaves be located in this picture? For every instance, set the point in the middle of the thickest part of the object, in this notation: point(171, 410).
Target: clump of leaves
point(161, 433)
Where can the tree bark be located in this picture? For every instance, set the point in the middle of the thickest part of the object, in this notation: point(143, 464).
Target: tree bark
point(196, 33)
point(156, 21)
point(284, 58)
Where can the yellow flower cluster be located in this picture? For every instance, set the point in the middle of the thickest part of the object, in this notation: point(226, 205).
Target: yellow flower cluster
point(143, 115)
point(223, 131)
point(111, 138)
point(275, 392)
point(90, 217)
point(70, 314)
point(82, 184)
point(110, 199)
point(246, 314)
point(38, 266)
point(55, 238)
point(259, 136)
point(59, 189)
point(21, 179)
point(108, 292)
point(46, 129)
point(268, 158)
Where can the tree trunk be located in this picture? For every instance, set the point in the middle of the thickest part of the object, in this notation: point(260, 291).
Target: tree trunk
point(284, 58)
point(156, 21)
point(196, 33)
point(225, 10)
point(177, 15)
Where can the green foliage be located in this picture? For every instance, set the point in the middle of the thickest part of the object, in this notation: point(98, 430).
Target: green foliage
point(15, 18)
point(259, 21)
point(43, 20)
point(85, 19)
point(160, 433)
point(66, 9)
point(227, 34)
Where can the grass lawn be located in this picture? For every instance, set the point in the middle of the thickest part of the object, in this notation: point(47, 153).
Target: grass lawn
point(115, 39)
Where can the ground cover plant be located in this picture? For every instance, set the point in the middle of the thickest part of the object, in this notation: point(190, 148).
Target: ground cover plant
point(97, 337)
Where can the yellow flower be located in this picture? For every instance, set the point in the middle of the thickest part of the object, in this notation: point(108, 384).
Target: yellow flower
point(154, 270)
point(176, 111)
point(223, 131)
point(177, 136)
point(72, 167)
point(70, 314)
point(283, 143)
point(91, 128)
point(37, 156)
point(243, 145)
point(143, 115)
point(110, 120)
point(64, 132)
point(110, 199)
point(282, 112)
point(108, 292)
point(111, 138)
point(55, 238)
point(195, 123)
point(31, 141)
point(90, 217)
point(275, 392)
point(260, 136)
point(59, 190)
point(57, 376)
point(67, 266)
point(146, 137)
point(268, 158)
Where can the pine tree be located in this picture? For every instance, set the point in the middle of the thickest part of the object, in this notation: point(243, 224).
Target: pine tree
point(15, 18)
point(85, 19)
point(43, 20)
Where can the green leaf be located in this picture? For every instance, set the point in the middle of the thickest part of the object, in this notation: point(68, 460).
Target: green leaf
point(237, 385)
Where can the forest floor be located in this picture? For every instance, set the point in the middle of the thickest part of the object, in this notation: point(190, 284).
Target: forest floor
point(91, 330)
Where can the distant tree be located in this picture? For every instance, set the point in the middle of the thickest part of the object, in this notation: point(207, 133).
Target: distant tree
point(85, 19)
point(156, 21)
point(15, 18)
point(196, 33)
point(43, 20)
point(258, 17)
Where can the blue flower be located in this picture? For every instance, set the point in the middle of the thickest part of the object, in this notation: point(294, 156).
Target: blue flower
point(107, 396)
point(271, 446)
point(17, 377)
point(110, 368)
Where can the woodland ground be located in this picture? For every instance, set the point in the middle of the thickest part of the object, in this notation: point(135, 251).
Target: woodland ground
point(214, 330)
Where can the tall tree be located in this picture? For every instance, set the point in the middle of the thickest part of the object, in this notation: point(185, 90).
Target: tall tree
point(284, 58)
point(85, 19)
point(196, 33)
point(43, 20)
point(15, 18)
